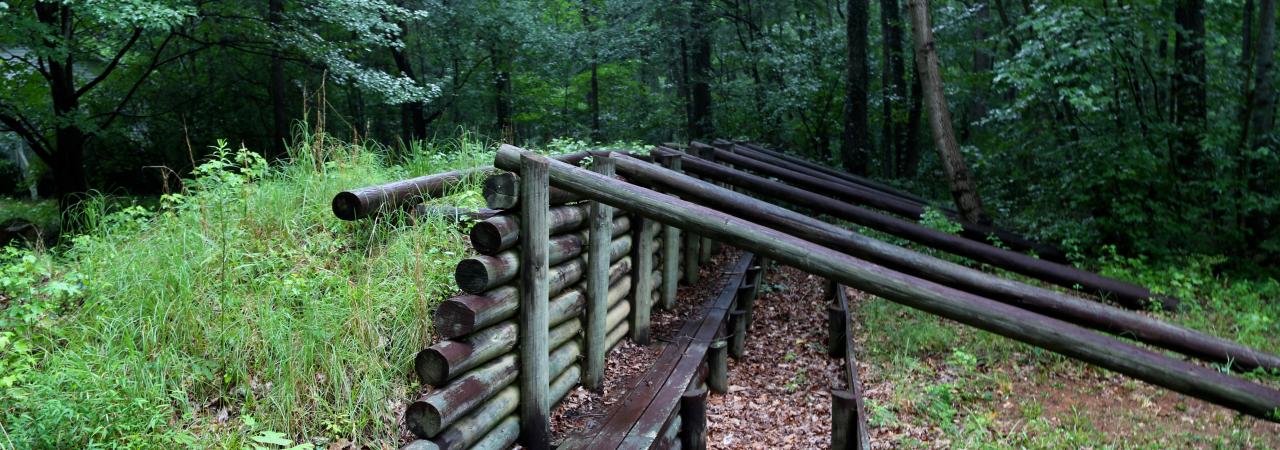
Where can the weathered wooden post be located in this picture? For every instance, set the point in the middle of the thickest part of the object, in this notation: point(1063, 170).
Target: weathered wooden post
point(693, 418)
point(718, 366)
point(845, 423)
point(836, 317)
point(691, 251)
point(737, 340)
point(535, 407)
point(601, 223)
point(670, 246)
point(705, 248)
point(642, 278)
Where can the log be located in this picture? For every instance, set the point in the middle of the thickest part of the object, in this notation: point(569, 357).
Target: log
point(467, 430)
point(844, 421)
point(498, 233)
point(467, 313)
point(360, 203)
point(693, 418)
point(601, 218)
point(432, 413)
point(502, 191)
point(1127, 294)
point(460, 216)
point(502, 437)
point(874, 199)
point(535, 259)
point(835, 330)
point(1055, 304)
point(670, 247)
point(481, 273)
point(446, 360)
point(642, 279)
point(718, 366)
point(737, 340)
point(618, 332)
point(838, 173)
point(1006, 320)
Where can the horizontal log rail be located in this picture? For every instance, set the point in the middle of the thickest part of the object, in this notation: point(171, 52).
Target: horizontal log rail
point(1127, 294)
point(1044, 301)
point(1006, 320)
point(364, 202)
point(865, 196)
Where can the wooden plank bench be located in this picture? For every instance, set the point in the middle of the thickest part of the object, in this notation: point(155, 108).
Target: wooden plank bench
point(643, 419)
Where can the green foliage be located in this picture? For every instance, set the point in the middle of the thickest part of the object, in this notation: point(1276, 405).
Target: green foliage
point(936, 219)
point(236, 313)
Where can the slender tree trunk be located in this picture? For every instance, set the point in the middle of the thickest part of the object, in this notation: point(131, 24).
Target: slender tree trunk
point(417, 125)
point(963, 188)
point(593, 96)
point(909, 153)
point(887, 97)
point(66, 158)
point(855, 145)
point(700, 124)
point(982, 63)
point(501, 89)
point(1264, 97)
point(276, 86)
point(1189, 98)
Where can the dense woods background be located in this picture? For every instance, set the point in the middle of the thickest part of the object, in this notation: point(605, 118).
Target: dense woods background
point(1145, 125)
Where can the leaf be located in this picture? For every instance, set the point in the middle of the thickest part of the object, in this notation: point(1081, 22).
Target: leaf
point(272, 437)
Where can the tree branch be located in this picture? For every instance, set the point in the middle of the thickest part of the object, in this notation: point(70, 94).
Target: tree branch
point(137, 32)
point(18, 124)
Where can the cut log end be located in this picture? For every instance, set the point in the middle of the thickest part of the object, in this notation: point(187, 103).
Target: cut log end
point(422, 419)
point(472, 275)
point(486, 237)
point(346, 205)
point(432, 365)
point(500, 191)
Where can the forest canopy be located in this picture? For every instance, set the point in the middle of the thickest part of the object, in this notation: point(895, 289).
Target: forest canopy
point(1147, 125)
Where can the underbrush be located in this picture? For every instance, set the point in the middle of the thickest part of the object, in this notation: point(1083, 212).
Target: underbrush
point(236, 313)
point(973, 389)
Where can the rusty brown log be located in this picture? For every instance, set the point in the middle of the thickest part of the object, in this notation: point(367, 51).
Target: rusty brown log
point(465, 314)
point(481, 273)
point(501, 232)
point(447, 359)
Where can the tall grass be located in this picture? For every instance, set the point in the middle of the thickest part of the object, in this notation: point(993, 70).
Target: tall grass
point(238, 309)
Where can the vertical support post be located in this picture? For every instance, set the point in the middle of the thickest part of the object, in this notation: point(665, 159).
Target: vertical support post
point(738, 340)
point(835, 330)
point(707, 247)
point(718, 366)
point(691, 247)
point(535, 406)
point(598, 243)
point(670, 246)
point(747, 293)
point(693, 418)
point(642, 277)
point(845, 424)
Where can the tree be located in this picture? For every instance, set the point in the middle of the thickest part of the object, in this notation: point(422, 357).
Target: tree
point(1189, 94)
point(963, 188)
point(700, 125)
point(855, 145)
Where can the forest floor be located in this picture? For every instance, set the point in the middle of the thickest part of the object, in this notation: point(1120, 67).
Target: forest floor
point(930, 383)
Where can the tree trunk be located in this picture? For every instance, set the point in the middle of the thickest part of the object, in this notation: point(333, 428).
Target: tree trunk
point(1189, 99)
point(909, 152)
point(417, 125)
point(855, 145)
point(1264, 97)
point(66, 158)
point(982, 63)
point(893, 86)
point(276, 85)
point(501, 89)
point(963, 188)
point(700, 124)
